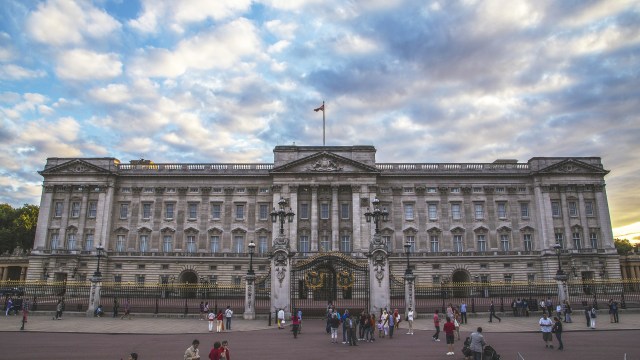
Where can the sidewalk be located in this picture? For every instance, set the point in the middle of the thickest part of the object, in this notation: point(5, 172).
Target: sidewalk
point(78, 323)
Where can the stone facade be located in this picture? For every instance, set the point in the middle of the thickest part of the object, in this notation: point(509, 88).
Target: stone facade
point(192, 222)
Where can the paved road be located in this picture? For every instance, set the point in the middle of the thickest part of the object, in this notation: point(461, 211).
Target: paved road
point(160, 338)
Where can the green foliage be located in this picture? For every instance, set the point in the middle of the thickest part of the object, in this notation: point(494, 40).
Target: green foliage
point(623, 246)
point(17, 227)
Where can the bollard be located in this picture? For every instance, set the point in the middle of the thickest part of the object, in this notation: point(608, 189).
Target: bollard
point(269, 318)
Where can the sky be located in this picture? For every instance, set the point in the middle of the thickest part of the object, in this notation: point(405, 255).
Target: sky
point(224, 81)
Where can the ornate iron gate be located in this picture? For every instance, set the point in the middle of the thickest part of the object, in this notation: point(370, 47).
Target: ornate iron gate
point(329, 277)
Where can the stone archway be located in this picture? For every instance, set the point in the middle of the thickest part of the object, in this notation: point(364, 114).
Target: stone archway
point(461, 277)
point(188, 277)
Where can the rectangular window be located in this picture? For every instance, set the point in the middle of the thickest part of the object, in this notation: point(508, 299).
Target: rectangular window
point(456, 214)
point(324, 211)
point(304, 211)
point(146, 211)
point(236, 279)
point(214, 243)
point(455, 190)
point(120, 243)
point(216, 209)
point(192, 247)
point(573, 209)
point(148, 190)
point(193, 211)
point(262, 245)
point(482, 243)
point(88, 242)
point(435, 244)
point(412, 241)
point(408, 212)
point(508, 278)
point(479, 210)
point(213, 279)
point(263, 212)
point(193, 190)
point(239, 212)
point(524, 210)
point(499, 189)
point(386, 239)
point(93, 209)
point(264, 190)
point(117, 278)
point(168, 212)
point(457, 243)
point(504, 242)
point(75, 209)
point(71, 242)
point(432, 190)
point(526, 238)
point(555, 209)
point(167, 243)
point(325, 244)
point(435, 279)
point(433, 211)
point(560, 239)
point(238, 244)
point(593, 239)
point(345, 244)
point(144, 243)
point(303, 245)
point(502, 210)
point(344, 211)
point(477, 189)
point(588, 208)
point(408, 190)
point(124, 211)
point(240, 190)
point(577, 241)
point(58, 207)
point(140, 279)
point(531, 277)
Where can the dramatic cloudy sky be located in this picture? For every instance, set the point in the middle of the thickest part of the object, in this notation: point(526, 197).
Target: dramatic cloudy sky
point(227, 80)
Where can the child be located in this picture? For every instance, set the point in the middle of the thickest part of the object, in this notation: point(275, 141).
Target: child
point(212, 318)
point(380, 329)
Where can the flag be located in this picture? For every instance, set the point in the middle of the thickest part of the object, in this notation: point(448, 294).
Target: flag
point(321, 108)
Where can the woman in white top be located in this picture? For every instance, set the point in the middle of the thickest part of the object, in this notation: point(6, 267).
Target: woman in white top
point(385, 322)
point(410, 321)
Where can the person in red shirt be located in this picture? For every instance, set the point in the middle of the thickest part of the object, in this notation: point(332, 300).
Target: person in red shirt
point(436, 323)
point(295, 321)
point(219, 318)
point(214, 354)
point(449, 329)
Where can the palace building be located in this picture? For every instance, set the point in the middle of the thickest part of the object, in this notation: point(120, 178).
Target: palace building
point(192, 222)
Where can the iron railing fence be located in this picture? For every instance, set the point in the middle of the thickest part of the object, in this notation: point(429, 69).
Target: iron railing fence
point(45, 295)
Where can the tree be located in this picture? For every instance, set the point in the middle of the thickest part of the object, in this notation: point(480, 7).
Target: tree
point(17, 227)
point(623, 246)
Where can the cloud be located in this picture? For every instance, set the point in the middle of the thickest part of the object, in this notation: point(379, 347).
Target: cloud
point(113, 94)
point(67, 22)
point(15, 72)
point(80, 64)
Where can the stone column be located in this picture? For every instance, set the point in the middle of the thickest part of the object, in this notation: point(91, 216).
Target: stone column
point(410, 294)
point(23, 273)
point(293, 204)
point(544, 217)
point(314, 217)
point(250, 298)
point(281, 276)
point(379, 275)
point(3, 271)
point(94, 295)
point(604, 218)
point(40, 241)
point(356, 219)
point(335, 219)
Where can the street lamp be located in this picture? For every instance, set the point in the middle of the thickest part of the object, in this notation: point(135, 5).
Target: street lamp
point(407, 250)
point(252, 248)
point(281, 214)
point(560, 275)
point(99, 250)
point(377, 214)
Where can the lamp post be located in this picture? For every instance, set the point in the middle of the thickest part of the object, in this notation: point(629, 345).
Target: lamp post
point(281, 215)
point(377, 214)
point(252, 248)
point(407, 251)
point(560, 277)
point(99, 250)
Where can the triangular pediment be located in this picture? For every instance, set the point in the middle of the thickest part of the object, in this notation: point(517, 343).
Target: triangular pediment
point(75, 166)
point(572, 166)
point(325, 162)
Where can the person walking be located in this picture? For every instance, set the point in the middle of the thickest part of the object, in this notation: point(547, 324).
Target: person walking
point(410, 321)
point(613, 311)
point(456, 322)
point(224, 350)
point(392, 326)
point(352, 326)
point(212, 318)
point(214, 354)
point(587, 313)
point(372, 327)
point(345, 328)
point(58, 315)
point(477, 344)
point(557, 329)
point(219, 319)
point(593, 314)
point(228, 314)
point(567, 312)
point(127, 310)
point(116, 306)
point(192, 352)
point(545, 326)
point(463, 312)
point(396, 319)
point(9, 307)
point(449, 329)
point(384, 320)
point(436, 324)
point(334, 324)
point(295, 322)
point(281, 319)
point(202, 314)
point(300, 321)
point(492, 313)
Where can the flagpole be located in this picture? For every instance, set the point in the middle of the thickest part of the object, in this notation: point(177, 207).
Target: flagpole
point(323, 122)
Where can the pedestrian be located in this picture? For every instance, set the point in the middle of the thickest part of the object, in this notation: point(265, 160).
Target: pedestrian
point(345, 329)
point(492, 313)
point(384, 318)
point(363, 321)
point(299, 321)
point(352, 337)
point(295, 322)
point(396, 319)
point(228, 314)
point(463, 312)
point(450, 311)
point(127, 310)
point(543, 306)
point(334, 324)
point(549, 305)
point(116, 306)
point(224, 350)
point(613, 311)
point(558, 310)
point(202, 314)
point(192, 352)
point(329, 316)
point(477, 344)
point(212, 318)
point(207, 309)
point(456, 321)
point(545, 326)
point(587, 313)
point(567, 312)
point(58, 315)
point(380, 328)
point(133, 356)
point(557, 329)
point(392, 325)
point(99, 312)
point(219, 319)
point(592, 316)
point(436, 323)
point(449, 328)
point(214, 354)
point(281, 319)
point(410, 321)
point(9, 306)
